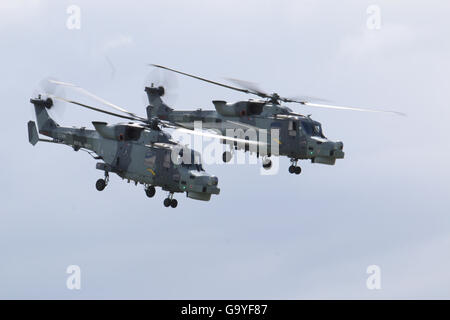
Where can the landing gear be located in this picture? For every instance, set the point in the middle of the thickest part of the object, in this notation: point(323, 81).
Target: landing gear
point(101, 184)
point(226, 156)
point(294, 168)
point(267, 163)
point(170, 202)
point(150, 191)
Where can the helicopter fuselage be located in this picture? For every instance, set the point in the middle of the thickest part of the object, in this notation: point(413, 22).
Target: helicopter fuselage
point(284, 132)
point(136, 154)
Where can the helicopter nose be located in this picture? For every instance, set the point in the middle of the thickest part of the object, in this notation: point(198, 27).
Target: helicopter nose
point(337, 151)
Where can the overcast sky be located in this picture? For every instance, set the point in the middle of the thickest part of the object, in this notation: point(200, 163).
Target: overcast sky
point(279, 236)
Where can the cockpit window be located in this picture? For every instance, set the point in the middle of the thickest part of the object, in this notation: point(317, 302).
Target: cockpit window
point(308, 127)
point(316, 130)
point(312, 129)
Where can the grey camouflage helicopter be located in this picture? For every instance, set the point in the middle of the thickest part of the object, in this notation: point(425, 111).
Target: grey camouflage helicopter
point(294, 135)
point(138, 150)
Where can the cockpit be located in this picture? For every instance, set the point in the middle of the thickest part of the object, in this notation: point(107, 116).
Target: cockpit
point(313, 128)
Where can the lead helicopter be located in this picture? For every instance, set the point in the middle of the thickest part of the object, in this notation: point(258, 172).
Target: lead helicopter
point(138, 150)
point(298, 137)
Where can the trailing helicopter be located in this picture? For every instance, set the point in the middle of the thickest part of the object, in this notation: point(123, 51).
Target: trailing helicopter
point(298, 137)
point(138, 150)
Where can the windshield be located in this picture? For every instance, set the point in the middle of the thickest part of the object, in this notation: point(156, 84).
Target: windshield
point(312, 129)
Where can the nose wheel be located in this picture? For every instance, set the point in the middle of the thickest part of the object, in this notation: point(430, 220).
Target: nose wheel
point(294, 168)
point(170, 201)
point(101, 184)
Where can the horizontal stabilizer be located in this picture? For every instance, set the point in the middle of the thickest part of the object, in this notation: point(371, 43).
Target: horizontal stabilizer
point(33, 135)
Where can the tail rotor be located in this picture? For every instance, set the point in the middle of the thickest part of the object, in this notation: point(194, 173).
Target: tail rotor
point(158, 78)
point(45, 90)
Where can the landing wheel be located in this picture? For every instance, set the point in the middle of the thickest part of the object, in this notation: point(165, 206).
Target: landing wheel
point(174, 203)
point(150, 191)
point(167, 202)
point(100, 184)
point(298, 170)
point(226, 156)
point(292, 169)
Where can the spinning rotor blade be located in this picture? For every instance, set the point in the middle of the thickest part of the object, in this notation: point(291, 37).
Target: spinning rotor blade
point(297, 99)
point(202, 79)
point(93, 108)
point(254, 89)
point(243, 86)
point(250, 87)
point(328, 106)
point(101, 100)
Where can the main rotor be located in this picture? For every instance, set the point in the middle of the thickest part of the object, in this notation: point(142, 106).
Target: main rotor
point(274, 98)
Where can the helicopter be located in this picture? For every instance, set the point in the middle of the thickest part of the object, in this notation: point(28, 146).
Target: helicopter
point(298, 137)
point(138, 150)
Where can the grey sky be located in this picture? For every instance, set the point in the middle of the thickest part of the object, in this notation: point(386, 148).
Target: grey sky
point(282, 236)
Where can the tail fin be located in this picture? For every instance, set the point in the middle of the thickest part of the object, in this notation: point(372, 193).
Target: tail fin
point(45, 123)
point(157, 107)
